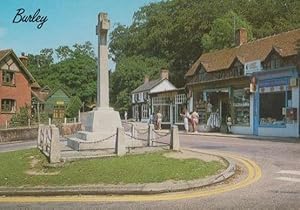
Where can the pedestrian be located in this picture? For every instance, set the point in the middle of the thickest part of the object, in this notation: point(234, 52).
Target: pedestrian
point(159, 120)
point(125, 116)
point(151, 119)
point(194, 120)
point(186, 117)
point(136, 116)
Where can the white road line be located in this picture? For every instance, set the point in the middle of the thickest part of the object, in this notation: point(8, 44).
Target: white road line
point(288, 179)
point(289, 172)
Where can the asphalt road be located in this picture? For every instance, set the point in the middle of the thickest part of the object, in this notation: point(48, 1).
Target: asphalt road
point(278, 188)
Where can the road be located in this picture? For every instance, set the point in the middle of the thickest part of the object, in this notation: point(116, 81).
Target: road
point(278, 188)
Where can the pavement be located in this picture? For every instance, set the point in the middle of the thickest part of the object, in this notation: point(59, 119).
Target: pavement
point(227, 135)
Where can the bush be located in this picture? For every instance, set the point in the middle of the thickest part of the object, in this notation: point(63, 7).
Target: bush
point(20, 118)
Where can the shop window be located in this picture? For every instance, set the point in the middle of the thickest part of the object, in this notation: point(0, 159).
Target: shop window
point(8, 78)
point(180, 101)
point(241, 105)
point(164, 110)
point(272, 106)
point(8, 105)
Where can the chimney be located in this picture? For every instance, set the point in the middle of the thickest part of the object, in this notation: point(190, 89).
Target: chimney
point(240, 36)
point(164, 73)
point(24, 59)
point(146, 79)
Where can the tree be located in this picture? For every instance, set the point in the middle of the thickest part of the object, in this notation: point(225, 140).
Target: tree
point(175, 30)
point(129, 74)
point(63, 52)
point(75, 70)
point(222, 33)
point(73, 107)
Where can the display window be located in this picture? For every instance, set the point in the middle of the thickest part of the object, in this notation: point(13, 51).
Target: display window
point(164, 110)
point(272, 108)
point(241, 106)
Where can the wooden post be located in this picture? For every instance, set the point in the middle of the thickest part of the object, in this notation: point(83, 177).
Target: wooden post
point(65, 121)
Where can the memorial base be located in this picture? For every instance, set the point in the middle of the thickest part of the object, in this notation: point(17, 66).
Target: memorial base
point(101, 124)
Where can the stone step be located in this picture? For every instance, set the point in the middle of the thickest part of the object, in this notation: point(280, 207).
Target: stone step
point(68, 155)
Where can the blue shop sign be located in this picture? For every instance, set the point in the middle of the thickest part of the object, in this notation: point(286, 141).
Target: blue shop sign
point(274, 82)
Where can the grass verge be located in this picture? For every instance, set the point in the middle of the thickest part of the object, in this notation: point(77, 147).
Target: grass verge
point(30, 168)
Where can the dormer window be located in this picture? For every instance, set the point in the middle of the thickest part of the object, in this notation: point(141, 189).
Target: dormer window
point(274, 62)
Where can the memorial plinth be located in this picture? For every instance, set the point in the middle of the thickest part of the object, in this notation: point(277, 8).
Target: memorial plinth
point(103, 121)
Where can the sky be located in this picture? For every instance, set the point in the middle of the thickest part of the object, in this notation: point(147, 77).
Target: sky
point(69, 22)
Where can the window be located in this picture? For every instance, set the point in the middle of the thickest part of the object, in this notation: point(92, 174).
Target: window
point(241, 106)
point(8, 78)
point(8, 105)
point(164, 110)
point(145, 114)
point(59, 111)
point(272, 106)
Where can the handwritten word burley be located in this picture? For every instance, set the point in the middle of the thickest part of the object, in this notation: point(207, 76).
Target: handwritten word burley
point(21, 17)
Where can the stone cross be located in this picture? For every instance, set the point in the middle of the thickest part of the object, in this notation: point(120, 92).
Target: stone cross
point(102, 73)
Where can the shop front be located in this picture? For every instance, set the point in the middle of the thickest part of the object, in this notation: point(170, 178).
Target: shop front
point(216, 101)
point(170, 104)
point(276, 103)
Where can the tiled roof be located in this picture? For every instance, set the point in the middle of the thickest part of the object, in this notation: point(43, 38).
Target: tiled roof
point(3, 53)
point(41, 96)
point(147, 86)
point(284, 44)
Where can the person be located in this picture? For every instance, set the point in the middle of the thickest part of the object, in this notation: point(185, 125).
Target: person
point(159, 119)
point(194, 120)
point(186, 117)
point(209, 107)
point(229, 124)
point(125, 116)
point(136, 116)
point(151, 119)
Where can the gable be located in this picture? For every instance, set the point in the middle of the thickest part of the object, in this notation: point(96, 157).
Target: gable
point(165, 85)
point(9, 64)
point(58, 97)
point(10, 61)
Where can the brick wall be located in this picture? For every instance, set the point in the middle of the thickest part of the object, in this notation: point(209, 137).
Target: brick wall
point(21, 93)
point(18, 134)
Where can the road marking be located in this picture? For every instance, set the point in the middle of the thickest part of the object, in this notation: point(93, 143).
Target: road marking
point(289, 172)
point(289, 179)
point(254, 174)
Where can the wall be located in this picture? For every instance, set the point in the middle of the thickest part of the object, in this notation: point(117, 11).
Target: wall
point(21, 93)
point(18, 134)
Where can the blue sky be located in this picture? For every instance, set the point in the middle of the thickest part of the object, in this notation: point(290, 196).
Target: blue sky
point(69, 22)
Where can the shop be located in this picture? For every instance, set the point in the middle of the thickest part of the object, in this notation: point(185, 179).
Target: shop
point(216, 98)
point(255, 86)
point(170, 104)
point(276, 103)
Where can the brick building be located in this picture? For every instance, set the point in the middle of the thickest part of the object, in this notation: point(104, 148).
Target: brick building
point(15, 84)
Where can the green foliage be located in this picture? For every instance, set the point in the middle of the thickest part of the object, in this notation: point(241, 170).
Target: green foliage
point(145, 168)
point(73, 107)
point(222, 33)
point(178, 31)
point(20, 118)
point(129, 74)
point(76, 70)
